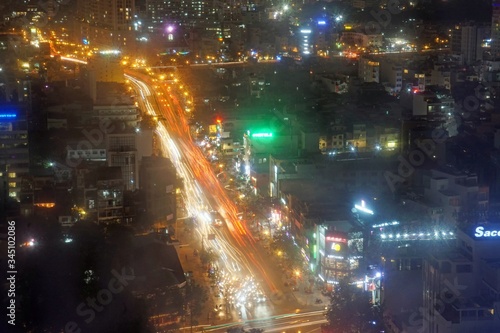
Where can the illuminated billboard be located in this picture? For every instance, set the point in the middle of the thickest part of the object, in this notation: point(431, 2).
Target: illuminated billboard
point(485, 231)
point(336, 245)
point(482, 232)
point(8, 113)
point(7, 116)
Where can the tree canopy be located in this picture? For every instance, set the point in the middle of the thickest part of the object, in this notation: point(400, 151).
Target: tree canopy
point(350, 310)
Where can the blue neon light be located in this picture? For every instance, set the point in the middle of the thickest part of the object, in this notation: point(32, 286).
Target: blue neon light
point(8, 115)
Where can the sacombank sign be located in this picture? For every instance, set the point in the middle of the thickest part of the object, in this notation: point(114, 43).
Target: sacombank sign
point(481, 233)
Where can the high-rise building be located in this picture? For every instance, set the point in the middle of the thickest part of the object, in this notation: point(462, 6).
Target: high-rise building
point(106, 23)
point(467, 40)
point(160, 13)
point(495, 29)
point(14, 153)
point(469, 44)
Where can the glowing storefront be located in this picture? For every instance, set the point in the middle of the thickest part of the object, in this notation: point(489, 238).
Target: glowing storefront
point(338, 255)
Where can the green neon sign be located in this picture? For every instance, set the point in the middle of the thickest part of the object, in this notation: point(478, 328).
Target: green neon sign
point(262, 135)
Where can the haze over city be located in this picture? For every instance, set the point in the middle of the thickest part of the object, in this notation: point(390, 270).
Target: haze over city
point(250, 166)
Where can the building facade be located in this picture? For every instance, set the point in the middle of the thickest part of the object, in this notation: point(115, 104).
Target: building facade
point(103, 195)
point(158, 182)
point(495, 29)
point(14, 152)
point(462, 286)
point(369, 70)
point(106, 23)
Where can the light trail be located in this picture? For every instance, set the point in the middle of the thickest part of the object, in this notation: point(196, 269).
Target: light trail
point(74, 60)
point(203, 193)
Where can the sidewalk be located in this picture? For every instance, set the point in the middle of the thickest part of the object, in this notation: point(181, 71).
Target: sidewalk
point(309, 300)
point(305, 294)
point(192, 266)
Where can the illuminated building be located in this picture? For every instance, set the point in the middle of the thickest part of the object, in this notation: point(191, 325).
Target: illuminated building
point(338, 252)
point(495, 29)
point(159, 12)
point(181, 12)
point(462, 286)
point(14, 153)
point(358, 41)
point(323, 229)
point(306, 44)
point(106, 67)
point(106, 23)
point(103, 195)
point(369, 70)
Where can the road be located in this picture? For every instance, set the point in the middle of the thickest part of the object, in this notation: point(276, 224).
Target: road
point(295, 322)
point(249, 282)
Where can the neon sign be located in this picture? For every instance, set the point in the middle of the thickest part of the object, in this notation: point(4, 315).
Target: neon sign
point(363, 208)
point(8, 116)
point(262, 135)
point(481, 233)
point(335, 239)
